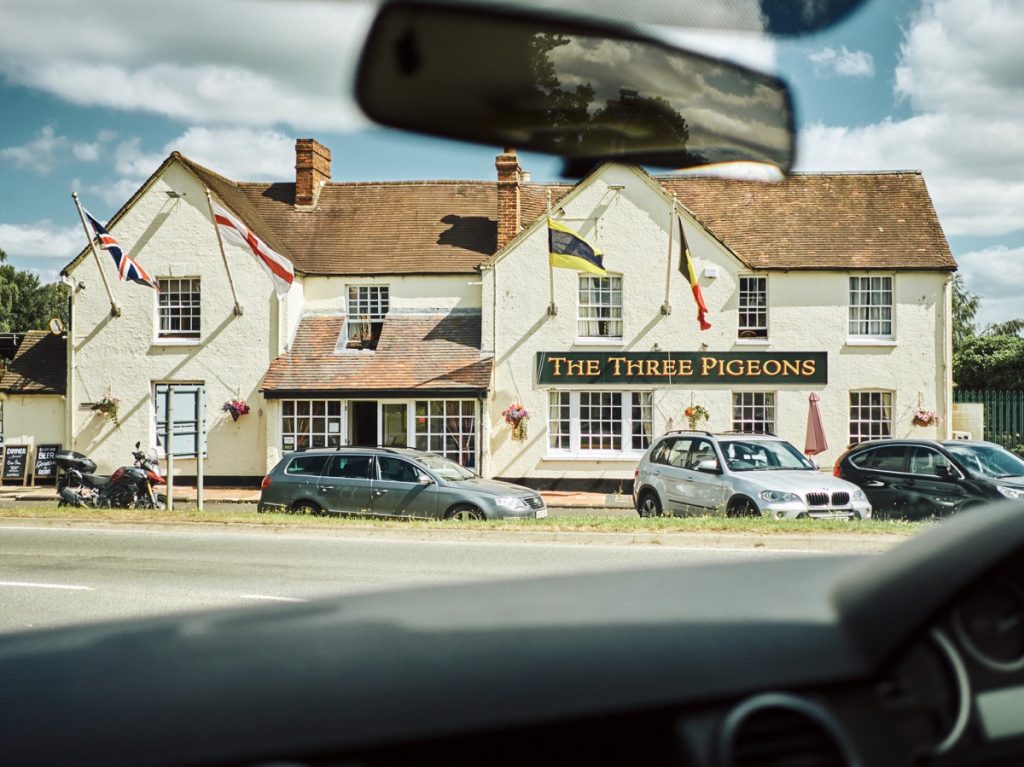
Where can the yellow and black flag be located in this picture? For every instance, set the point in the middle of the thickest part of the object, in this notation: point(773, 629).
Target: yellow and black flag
point(568, 250)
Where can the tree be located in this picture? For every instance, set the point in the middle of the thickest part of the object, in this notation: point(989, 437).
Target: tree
point(1008, 328)
point(989, 362)
point(965, 306)
point(25, 304)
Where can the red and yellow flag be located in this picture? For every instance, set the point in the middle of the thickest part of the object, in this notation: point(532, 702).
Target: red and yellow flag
point(686, 268)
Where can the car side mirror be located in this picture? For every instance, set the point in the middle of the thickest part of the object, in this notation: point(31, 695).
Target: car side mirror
point(945, 472)
point(423, 479)
point(709, 466)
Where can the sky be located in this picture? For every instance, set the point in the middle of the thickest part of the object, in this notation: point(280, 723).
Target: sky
point(95, 96)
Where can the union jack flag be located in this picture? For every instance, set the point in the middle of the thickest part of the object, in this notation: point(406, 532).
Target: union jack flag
point(127, 267)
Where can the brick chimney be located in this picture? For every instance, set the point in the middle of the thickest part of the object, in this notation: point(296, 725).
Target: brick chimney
point(312, 171)
point(509, 175)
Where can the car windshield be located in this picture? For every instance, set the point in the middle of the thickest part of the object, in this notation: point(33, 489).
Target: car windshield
point(445, 467)
point(762, 455)
point(989, 461)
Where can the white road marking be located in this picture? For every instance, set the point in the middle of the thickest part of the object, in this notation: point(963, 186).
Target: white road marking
point(60, 586)
point(271, 598)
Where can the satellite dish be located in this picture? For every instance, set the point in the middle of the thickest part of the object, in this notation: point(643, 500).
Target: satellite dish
point(56, 326)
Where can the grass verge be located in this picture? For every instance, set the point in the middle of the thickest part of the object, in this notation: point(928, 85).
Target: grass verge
point(245, 514)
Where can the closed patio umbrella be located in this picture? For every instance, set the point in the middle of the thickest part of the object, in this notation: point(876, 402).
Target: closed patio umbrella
point(815, 441)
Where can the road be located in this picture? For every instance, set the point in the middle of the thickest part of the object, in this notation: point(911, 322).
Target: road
point(53, 575)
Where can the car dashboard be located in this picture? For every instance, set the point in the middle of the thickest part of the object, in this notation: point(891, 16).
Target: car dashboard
point(913, 657)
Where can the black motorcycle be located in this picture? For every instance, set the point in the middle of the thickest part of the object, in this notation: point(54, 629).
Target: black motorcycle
point(128, 487)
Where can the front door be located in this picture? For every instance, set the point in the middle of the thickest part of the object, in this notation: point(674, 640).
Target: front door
point(364, 423)
point(397, 490)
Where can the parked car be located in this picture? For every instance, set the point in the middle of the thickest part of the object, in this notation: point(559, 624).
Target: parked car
point(697, 472)
point(922, 478)
point(391, 482)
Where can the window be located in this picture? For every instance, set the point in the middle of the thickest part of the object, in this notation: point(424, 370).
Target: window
point(604, 421)
point(871, 307)
point(683, 452)
point(349, 467)
point(448, 428)
point(600, 307)
point(309, 423)
point(870, 415)
point(178, 308)
point(367, 305)
point(889, 458)
point(753, 411)
point(931, 463)
point(307, 465)
point(753, 307)
point(397, 470)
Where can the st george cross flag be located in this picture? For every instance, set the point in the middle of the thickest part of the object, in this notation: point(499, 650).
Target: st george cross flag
point(686, 267)
point(127, 267)
point(277, 267)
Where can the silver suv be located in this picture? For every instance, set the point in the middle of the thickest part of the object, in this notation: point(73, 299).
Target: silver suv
point(739, 474)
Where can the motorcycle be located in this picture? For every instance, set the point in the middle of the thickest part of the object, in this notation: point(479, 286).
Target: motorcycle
point(128, 487)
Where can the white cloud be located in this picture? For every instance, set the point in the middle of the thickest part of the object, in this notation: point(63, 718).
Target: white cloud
point(239, 153)
point(42, 239)
point(844, 62)
point(754, 50)
point(41, 154)
point(997, 275)
point(288, 64)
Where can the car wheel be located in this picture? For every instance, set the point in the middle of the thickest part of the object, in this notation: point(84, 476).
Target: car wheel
point(307, 507)
point(649, 505)
point(742, 507)
point(464, 512)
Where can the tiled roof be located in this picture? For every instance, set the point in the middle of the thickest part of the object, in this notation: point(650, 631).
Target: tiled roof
point(879, 220)
point(882, 220)
point(39, 366)
point(416, 352)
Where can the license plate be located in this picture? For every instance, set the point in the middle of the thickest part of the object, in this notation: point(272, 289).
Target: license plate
point(541, 513)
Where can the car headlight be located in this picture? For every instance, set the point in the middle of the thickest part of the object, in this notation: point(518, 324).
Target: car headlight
point(778, 496)
point(1010, 492)
point(511, 502)
point(858, 495)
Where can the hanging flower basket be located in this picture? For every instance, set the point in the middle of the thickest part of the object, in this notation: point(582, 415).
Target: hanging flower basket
point(695, 414)
point(237, 407)
point(924, 417)
point(515, 415)
point(107, 407)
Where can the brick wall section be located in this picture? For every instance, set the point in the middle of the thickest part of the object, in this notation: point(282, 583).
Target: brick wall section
point(509, 210)
point(312, 170)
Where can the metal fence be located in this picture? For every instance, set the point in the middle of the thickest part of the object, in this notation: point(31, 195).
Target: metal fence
point(1004, 415)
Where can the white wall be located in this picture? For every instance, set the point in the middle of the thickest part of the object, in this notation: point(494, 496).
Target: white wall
point(406, 293)
point(808, 311)
point(121, 355)
point(34, 419)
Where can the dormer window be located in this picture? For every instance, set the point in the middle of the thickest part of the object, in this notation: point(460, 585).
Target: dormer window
point(366, 309)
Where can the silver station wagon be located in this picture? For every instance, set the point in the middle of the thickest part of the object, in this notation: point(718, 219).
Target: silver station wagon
point(391, 482)
point(739, 475)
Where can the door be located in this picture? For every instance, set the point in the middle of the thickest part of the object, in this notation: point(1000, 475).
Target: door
point(344, 486)
point(685, 490)
point(934, 487)
point(397, 491)
point(881, 473)
point(364, 423)
point(394, 423)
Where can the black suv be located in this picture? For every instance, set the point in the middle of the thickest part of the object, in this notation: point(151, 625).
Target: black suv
point(922, 479)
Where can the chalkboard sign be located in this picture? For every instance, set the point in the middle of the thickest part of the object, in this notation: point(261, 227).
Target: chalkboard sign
point(46, 466)
point(15, 463)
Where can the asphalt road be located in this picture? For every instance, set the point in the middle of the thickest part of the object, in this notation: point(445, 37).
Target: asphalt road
point(53, 575)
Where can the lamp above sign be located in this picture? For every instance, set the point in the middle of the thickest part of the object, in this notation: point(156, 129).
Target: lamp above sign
point(682, 368)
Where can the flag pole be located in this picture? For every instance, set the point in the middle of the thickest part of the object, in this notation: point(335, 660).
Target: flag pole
point(666, 307)
point(114, 310)
point(552, 309)
point(220, 243)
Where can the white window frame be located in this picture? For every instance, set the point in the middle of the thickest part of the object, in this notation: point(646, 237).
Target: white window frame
point(583, 308)
point(170, 337)
point(374, 305)
point(630, 399)
point(429, 435)
point(887, 401)
point(740, 406)
point(855, 292)
point(751, 334)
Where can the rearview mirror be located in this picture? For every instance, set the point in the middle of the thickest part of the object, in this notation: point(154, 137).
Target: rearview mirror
point(709, 466)
point(583, 91)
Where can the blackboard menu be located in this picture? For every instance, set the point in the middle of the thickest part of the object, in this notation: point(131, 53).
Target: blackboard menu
point(46, 466)
point(15, 462)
